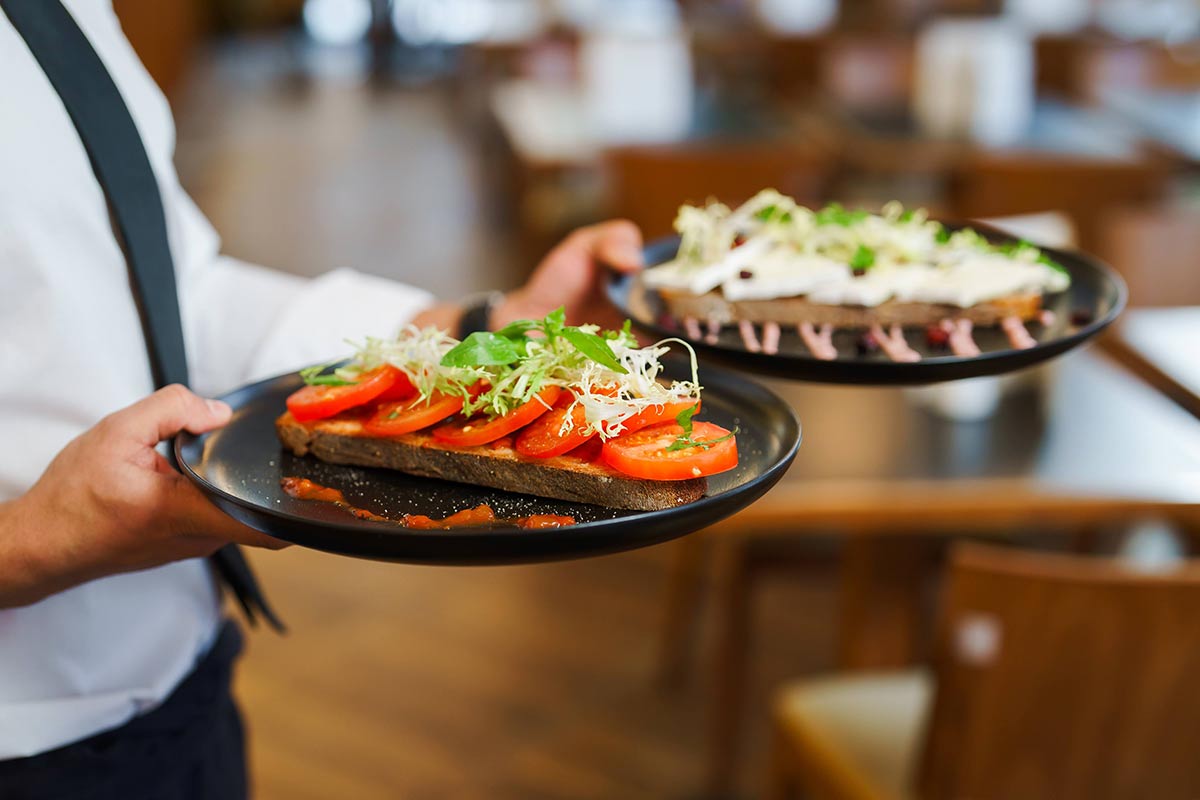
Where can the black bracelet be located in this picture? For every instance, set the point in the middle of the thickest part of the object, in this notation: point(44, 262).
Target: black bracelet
point(477, 316)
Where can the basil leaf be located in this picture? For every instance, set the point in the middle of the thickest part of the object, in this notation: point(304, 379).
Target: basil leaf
point(517, 329)
point(684, 418)
point(593, 347)
point(554, 322)
point(863, 258)
point(482, 349)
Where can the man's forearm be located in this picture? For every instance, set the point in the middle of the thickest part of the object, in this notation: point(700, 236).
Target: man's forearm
point(20, 573)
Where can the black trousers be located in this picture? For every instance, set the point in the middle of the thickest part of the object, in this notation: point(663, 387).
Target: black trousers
point(189, 748)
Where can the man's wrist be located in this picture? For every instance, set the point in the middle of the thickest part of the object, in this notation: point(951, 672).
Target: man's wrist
point(477, 314)
point(20, 570)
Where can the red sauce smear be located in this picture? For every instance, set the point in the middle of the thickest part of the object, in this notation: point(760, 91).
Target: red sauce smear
point(481, 516)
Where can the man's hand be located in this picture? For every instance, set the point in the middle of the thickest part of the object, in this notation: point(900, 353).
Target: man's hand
point(572, 276)
point(109, 502)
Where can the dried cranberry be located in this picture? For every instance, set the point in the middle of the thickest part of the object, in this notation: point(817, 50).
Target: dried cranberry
point(858, 272)
point(867, 344)
point(745, 274)
point(739, 240)
point(937, 337)
point(1081, 317)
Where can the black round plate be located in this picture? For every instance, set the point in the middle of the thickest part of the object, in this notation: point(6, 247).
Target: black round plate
point(240, 466)
point(1095, 290)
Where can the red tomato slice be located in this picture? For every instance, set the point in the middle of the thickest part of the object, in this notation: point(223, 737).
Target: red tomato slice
point(480, 430)
point(406, 416)
point(540, 439)
point(319, 402)
point(644, 454)
point(653, 415)
point(402, 389)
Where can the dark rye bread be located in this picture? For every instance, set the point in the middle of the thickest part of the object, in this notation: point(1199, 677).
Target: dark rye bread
point(341, 441)
point(794, 310)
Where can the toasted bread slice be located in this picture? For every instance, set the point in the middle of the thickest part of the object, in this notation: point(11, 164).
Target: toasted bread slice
point(499, 466)
point(794, 310)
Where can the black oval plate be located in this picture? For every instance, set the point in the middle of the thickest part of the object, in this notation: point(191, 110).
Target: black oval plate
point(240, 466)
point(1095, 288)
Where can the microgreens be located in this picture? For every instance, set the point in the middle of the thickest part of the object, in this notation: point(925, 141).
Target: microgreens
point(863, 258)
point(834, 214)
point(772, 213)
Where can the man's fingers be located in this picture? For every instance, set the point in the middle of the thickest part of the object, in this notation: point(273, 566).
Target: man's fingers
point(169, 411)
point(200, 517)
point(617, 243)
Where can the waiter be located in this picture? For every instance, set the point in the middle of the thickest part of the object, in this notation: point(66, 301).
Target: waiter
point(114, 656)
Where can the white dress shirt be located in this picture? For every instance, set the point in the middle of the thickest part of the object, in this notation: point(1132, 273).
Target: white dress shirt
point(71, 351)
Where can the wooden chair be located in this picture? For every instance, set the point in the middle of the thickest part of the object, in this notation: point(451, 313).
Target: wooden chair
point(1154, 249)
point(1085, 189)
point(1054, 677)
point(647, 184)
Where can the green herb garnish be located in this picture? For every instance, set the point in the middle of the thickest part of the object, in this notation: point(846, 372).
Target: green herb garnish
point(594, 347)
point(834, 214)
point(863, 258)
point(317, 376)
point(484, 349)
point(685, 440)
point(771, 214)
point(511, 343)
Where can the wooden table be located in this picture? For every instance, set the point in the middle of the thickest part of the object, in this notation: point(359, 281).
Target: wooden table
point(1082, 445)
point(1162, 346)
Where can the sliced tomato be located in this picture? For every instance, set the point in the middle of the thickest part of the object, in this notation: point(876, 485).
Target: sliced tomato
point(319, 402)
point(588, 452)
point(479, 429)
point(652, 415)
point(541, 439)
point(644, 454)
point(405, 416)
point(402, 389)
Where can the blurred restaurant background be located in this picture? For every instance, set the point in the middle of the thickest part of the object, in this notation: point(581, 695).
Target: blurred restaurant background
point(980, 589)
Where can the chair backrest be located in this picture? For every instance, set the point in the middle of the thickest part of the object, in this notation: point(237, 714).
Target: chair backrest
point(647, 184)
point(1064, 678)
point(1155, 250)
point(1085, 189)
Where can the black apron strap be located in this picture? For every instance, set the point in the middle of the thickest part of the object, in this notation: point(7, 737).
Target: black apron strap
point(123, 170)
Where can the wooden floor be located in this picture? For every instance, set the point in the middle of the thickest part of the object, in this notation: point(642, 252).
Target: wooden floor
point(398, 681)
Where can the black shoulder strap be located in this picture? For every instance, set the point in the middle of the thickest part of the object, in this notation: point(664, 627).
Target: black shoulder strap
point(118, 158)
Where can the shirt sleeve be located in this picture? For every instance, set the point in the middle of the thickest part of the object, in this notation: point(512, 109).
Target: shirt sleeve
point(244, 322)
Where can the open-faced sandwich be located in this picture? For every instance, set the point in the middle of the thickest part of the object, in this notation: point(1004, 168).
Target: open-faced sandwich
point(772, 263)
point(539, 407)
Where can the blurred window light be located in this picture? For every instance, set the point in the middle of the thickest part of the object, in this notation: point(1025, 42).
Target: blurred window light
point(517, 20)
point(337, 22)
point(796, 16)
point(1050, 16)
point(629, 17)
point(974, 80)
point(443, 22)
